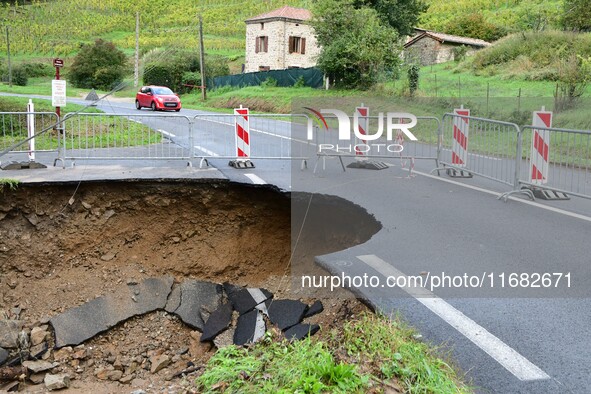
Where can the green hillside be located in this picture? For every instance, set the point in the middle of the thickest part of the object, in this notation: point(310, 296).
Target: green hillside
point(57, 28)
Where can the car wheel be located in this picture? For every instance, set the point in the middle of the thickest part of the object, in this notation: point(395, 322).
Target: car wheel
point(153, 106)
point(177, 110)
point(137, 105)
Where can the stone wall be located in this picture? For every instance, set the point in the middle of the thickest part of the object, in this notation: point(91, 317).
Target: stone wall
point(430, 51)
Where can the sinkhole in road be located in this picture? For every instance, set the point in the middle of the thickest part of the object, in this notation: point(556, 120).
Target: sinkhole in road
point(63, 244)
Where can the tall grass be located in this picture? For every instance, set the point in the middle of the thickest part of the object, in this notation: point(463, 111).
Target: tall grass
point(531, 55)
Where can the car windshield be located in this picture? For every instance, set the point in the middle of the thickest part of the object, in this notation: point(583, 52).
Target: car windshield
point(162, 91)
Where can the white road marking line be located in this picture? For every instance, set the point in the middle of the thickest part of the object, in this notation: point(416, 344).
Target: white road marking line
point(257, 295)
point(528, 202)
point(263, 132)
point(283, 137)
point(514, 362)
point(206, 151)
point(166, 133)
point(477, 155)
point(259, 329)
point(256, 180)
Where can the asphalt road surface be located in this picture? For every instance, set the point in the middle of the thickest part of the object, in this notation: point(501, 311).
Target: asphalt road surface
point(508, 335)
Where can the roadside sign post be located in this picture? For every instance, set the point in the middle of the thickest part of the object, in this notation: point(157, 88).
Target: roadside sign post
point(31, 129)
point(58, 90)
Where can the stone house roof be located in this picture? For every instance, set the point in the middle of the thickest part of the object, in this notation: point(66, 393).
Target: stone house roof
point(442, 37)
point(283, 13)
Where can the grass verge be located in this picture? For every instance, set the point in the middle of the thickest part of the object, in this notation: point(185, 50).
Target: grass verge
point(8, 183)
point(369, 354)
point(83, 131)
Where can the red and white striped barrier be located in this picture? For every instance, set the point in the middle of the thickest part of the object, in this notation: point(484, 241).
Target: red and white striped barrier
point(242, 134)
point(540, 147)
point(459, 149)
point(362, 114)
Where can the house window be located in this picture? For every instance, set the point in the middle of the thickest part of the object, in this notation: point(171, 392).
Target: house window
point(297, 45)
point(262, 44)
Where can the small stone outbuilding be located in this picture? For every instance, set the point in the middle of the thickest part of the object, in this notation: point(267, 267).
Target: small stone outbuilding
point(429, 47)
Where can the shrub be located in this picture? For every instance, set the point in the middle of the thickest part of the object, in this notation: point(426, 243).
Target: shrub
point(300, 82)
point(413, 78)
point(173, 68)
point(269, 83)
point(98, 66)
point(190, 78)
point(459, 53)
point(19, 76)
point(157, 74)
point(38, 69)
point(475, 26)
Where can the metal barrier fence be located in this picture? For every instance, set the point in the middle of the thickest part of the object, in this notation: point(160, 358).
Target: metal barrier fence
point(461, 145)
point(477, 146)
point(395, 147)
point(568, 160)
point(14, 130)
point(98, 136)
point(271, 136)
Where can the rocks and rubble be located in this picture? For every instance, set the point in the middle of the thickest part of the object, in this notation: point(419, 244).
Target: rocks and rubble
point(58, 349)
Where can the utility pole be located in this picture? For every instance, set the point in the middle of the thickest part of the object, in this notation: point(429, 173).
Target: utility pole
point(8, 54)
point(136, 71)
point(202, 59)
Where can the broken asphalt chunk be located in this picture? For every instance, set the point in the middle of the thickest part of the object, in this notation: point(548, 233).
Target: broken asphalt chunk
point(3, 356)
point(218, 321)
point(301, 331)
point(314, 309)
point(286, 313)
point(197, 296)
point(229, 288)
point(249, 328)
point(244, 300)
point(81, 323)
point(9, 330)
point(174, 300)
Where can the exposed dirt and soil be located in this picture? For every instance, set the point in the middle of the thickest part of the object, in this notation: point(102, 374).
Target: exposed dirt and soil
point(63, 245)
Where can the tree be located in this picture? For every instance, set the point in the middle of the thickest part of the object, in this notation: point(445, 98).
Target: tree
point(98, 66)
point(577, 15)
point(356, 44)
point(401, 15)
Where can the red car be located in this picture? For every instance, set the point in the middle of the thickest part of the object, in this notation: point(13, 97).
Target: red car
point(158, 98)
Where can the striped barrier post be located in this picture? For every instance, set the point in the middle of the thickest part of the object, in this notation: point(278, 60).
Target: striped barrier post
point(361, 158)
point(540, 157)
point(242, 139)
point(459, 149)
point(540, 147)
point(362, 114)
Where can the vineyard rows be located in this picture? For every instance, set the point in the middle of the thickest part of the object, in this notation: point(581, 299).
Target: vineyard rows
point(58, 28)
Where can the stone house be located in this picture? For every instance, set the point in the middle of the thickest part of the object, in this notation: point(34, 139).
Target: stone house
point(280, 39)
point(432, 48)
